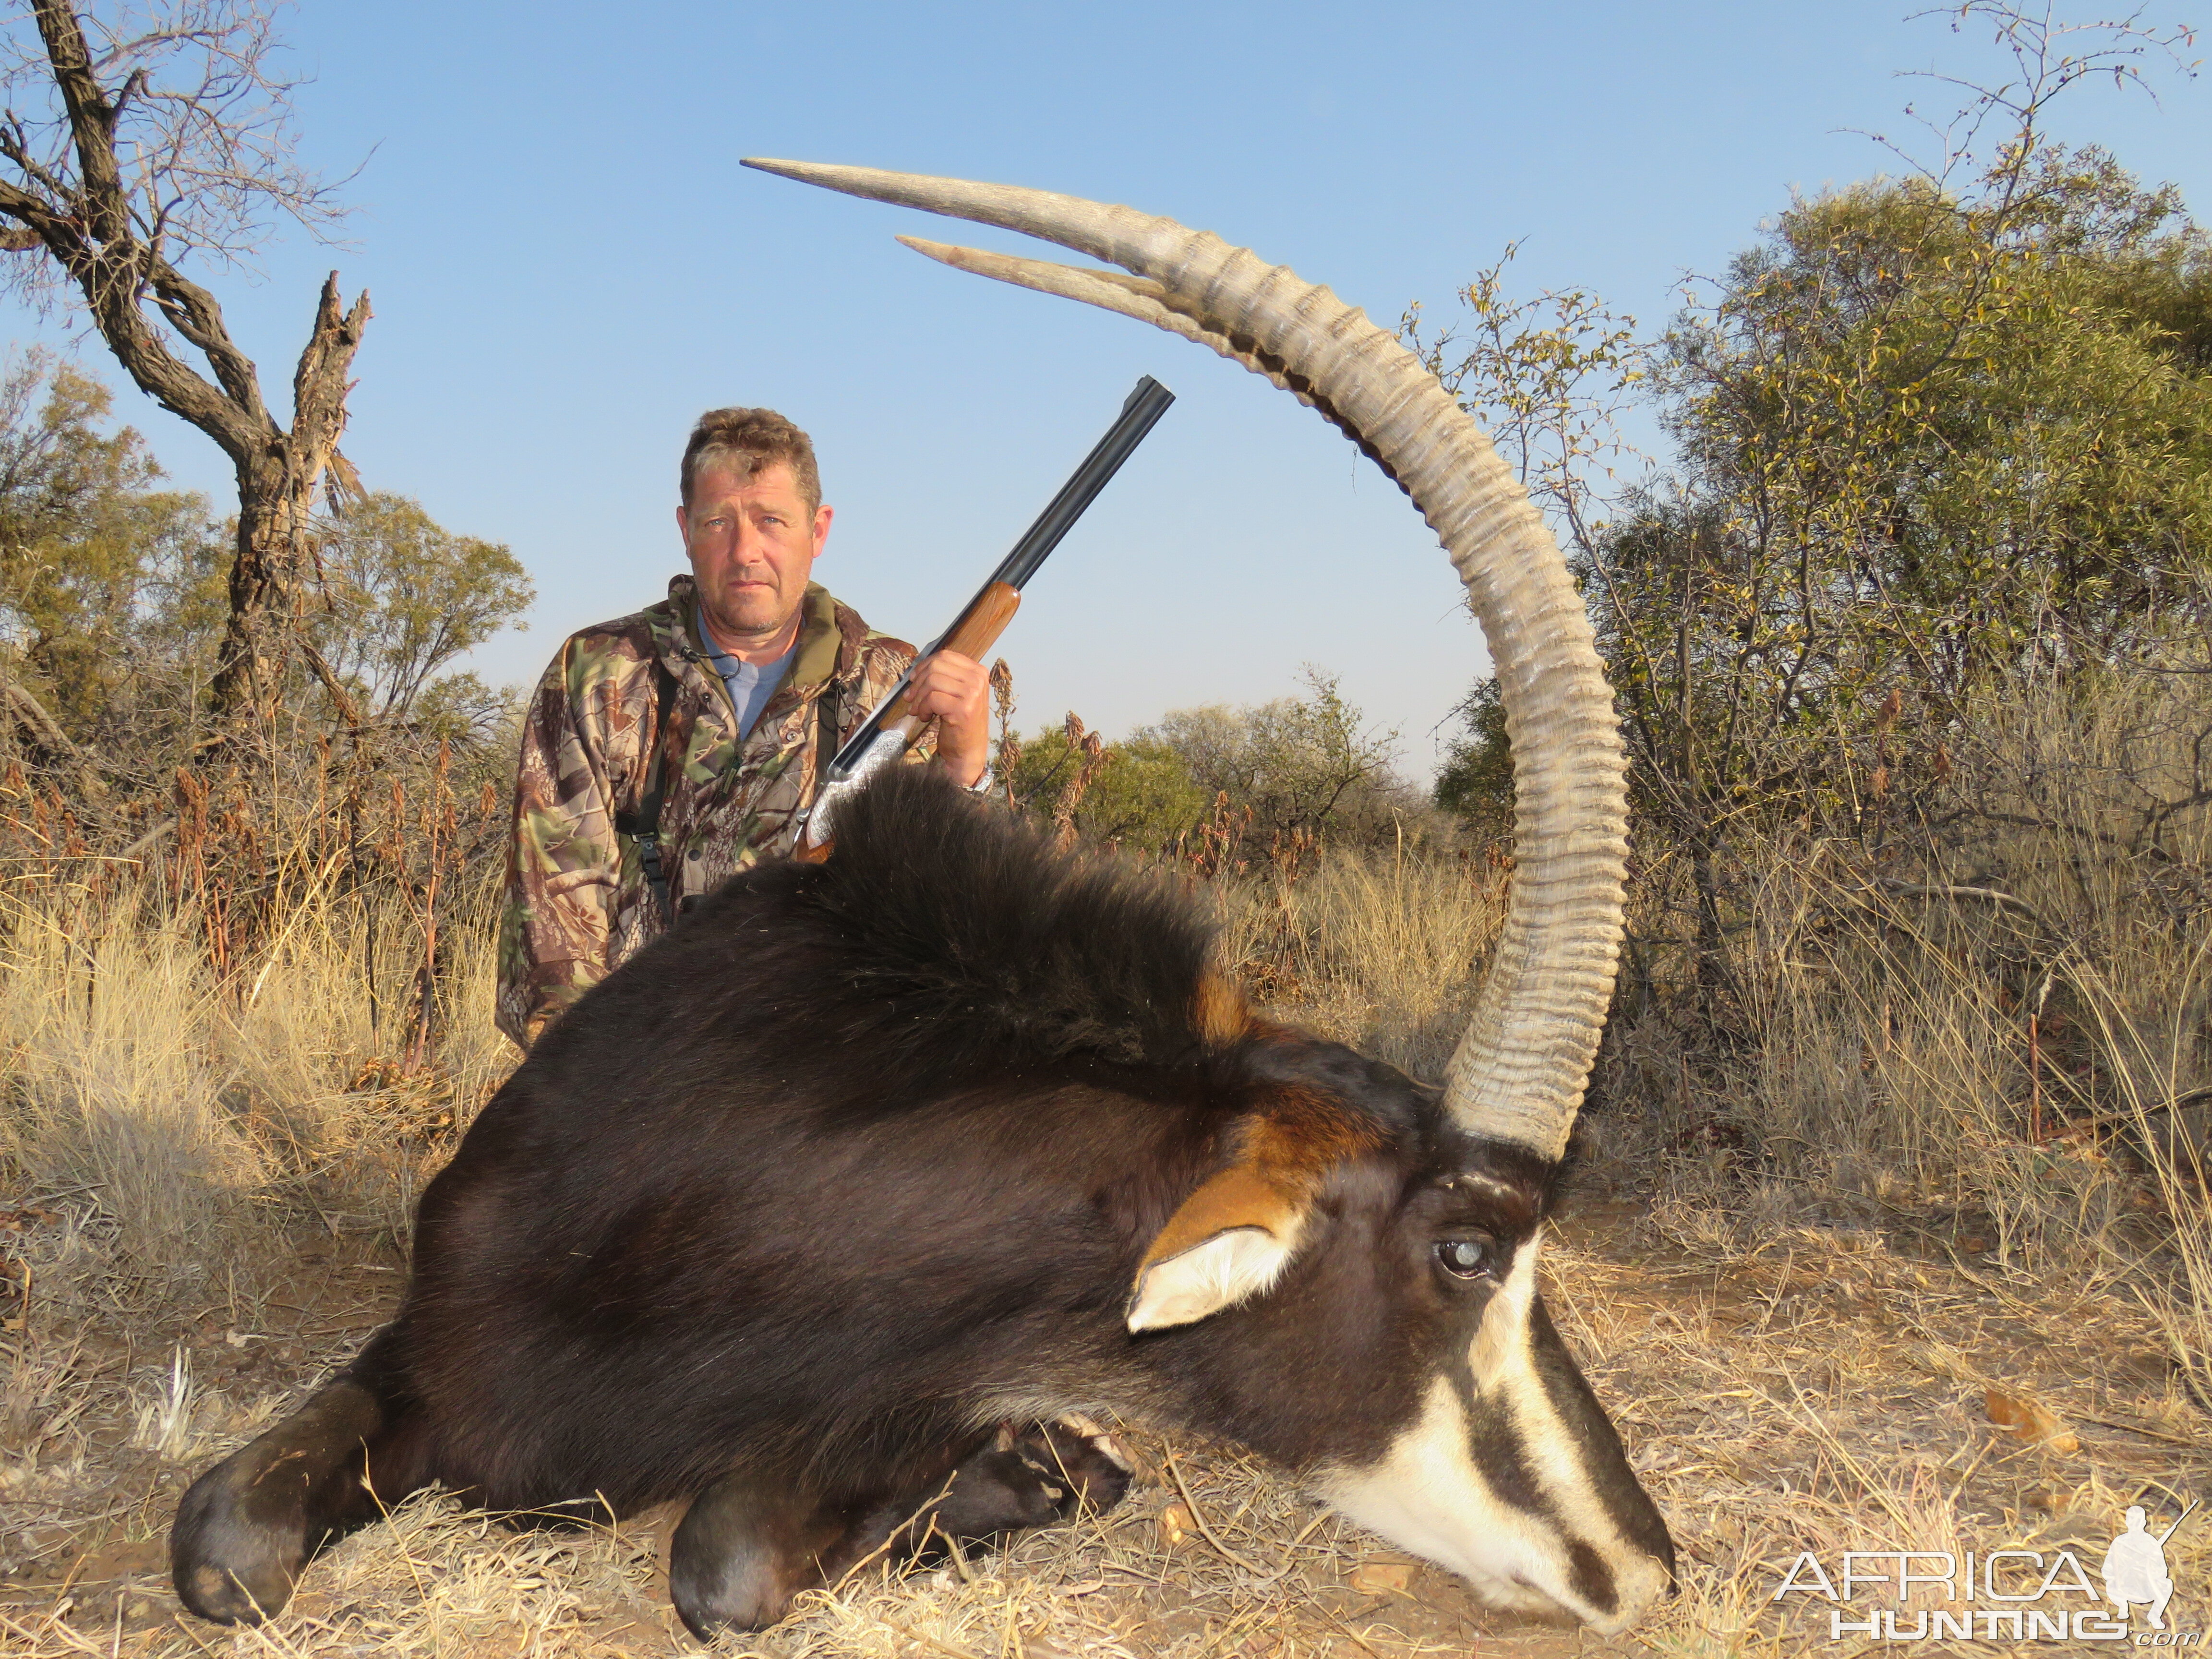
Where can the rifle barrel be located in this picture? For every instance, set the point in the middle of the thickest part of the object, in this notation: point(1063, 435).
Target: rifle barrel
point(1140, 410)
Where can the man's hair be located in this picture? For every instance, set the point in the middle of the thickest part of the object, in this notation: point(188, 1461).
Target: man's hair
point(745, 440)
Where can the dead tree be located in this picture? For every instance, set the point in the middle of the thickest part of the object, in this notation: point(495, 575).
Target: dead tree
point(166, 136)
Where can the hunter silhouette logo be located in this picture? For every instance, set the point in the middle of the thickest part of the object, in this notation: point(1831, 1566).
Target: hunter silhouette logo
point(2134, 1567)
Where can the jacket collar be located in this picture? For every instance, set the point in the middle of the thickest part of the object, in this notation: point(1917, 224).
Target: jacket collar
point(829, 636)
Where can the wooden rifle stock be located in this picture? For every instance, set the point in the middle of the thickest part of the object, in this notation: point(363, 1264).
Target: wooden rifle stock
point(976, 632)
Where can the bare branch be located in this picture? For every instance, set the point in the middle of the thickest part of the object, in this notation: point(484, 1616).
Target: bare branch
point(2048, 55)
point(143, 135)
point(194, 149)
point(1548, 378)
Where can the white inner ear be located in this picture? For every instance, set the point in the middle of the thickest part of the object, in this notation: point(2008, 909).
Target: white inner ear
point(1207, 1278)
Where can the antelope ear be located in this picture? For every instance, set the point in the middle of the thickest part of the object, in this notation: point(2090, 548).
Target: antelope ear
point(1229, 1242)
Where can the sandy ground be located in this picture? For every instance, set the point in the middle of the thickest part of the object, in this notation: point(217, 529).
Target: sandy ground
point(1817, 1387)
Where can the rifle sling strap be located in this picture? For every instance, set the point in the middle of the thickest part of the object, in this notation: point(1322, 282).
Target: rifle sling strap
point(826, 740)
point(644, 827)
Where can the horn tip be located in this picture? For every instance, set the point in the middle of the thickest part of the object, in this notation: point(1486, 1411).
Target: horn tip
point(771, 164)
point(959, 258)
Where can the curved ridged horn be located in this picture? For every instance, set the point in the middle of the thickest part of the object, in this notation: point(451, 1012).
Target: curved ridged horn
point(1520, 1070)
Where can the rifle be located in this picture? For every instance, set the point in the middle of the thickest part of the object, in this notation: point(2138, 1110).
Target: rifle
point(891, 731)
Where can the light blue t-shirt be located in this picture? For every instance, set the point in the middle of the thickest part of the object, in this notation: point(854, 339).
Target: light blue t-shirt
point(751, 684)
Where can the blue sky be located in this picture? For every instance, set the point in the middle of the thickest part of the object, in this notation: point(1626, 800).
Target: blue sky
point(567, 264)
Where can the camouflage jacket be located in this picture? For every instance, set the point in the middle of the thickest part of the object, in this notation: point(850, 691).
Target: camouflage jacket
point(577, 903)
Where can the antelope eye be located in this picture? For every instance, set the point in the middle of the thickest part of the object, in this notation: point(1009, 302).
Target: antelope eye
point(1465, 1258)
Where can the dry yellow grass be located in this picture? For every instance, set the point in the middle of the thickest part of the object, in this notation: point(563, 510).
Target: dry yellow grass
point(190, 1114)
point(1384, 953)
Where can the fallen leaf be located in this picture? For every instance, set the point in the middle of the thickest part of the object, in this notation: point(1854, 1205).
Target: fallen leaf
point(2037, 1425)
point(1380, 1573)
point(1176, 1523)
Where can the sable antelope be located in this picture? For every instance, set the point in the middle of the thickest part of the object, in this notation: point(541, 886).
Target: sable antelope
point(796, 1210)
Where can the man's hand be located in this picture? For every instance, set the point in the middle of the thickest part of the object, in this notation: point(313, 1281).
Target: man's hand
point(955, 690)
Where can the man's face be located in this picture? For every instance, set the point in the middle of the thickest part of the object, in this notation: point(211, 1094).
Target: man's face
point(752, 545)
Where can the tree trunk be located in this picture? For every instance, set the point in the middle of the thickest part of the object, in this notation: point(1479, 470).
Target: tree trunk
point(273, 515)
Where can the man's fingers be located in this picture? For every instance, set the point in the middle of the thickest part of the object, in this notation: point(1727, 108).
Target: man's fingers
point(952, 667)
point(948, 683)
point(955, 691)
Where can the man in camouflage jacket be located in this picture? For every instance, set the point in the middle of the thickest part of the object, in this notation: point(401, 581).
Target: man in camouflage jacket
point(578, 903)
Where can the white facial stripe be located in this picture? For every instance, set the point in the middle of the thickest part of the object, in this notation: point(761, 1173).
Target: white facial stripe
point(1429, 1495)
point(1553, 1447)
point(1502, 1359)
point(1501, 1341)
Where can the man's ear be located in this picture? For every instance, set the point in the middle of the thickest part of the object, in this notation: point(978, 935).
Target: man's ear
point(1229, 1241)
